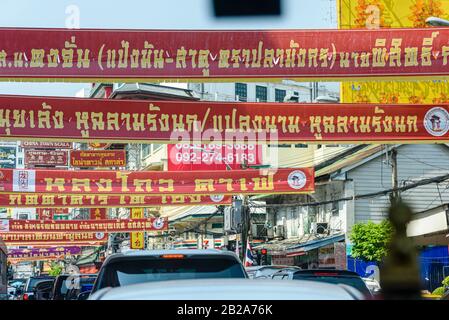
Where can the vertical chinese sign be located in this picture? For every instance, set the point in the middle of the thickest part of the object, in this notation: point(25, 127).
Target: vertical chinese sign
point(137, 238)
point(98, 214)
point(375, 14)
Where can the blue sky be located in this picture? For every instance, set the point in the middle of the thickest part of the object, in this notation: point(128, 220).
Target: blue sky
point(148, 14)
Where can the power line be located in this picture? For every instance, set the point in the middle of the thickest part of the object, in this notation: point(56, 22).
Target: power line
point(361, 196)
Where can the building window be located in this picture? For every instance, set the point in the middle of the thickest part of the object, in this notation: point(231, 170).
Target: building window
point(20, 161)
point(146, 148)
point(156, 147)
point(261, 94)
point(241, 91)
point(335, 208)
point(217, 225)
point(279, 95)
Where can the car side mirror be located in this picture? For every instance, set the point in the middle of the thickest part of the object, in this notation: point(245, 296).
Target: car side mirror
point(84, 295)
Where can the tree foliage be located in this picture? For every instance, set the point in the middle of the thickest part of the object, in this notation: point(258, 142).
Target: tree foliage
point(446, 282)
point(55, 269)
point(370, 240)
point(438, 291)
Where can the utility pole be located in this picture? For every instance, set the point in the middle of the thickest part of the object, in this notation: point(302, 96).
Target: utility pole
point(394, 171)
point(246, 218)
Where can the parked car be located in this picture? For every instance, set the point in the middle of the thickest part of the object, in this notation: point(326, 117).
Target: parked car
point(69, 286)
point(42, 291)
point(135, 267)
point(229, 289)
point(373, 286)
point(342, 277)
point(29, 290)
point(265, 272)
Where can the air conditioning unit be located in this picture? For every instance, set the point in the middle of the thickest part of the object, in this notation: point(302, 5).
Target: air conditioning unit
point(278, 231)
point(258, 230)
point(172, 231)
point(319, 228)
point(292, 98)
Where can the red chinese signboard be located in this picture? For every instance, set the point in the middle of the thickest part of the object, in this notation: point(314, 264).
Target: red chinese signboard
point(46, 145)
point(46, 158)
point(36, 200)
point(95, 226)
point(272, 181)
point(103, 158)
point(186, 157)
point(192, 122)
point(135, 55)
point(47, 213)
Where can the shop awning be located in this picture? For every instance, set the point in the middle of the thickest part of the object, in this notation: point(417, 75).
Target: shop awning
point(318, 243)
point(299, 246)
point(430, 227)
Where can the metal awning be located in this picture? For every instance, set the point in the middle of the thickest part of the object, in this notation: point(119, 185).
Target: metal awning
point(430, 227)
point(299, 246)
point(318, 243)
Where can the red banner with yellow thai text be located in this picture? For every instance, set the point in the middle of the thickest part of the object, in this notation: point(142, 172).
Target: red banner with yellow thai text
point(267, 181)
point(136, 55)
point(38, 200)
point(102, 226)
point(63, 119)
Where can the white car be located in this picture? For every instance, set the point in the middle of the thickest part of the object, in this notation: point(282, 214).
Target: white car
point(265, 272)
point(372, 284)
point(229, 289)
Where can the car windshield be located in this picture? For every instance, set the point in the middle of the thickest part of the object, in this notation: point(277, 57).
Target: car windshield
point(16, 283)
point(137, 271)
point(75, 283)
point(354, 282)
point(33, 282)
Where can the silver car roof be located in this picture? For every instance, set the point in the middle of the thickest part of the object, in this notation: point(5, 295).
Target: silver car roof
point(228, 289)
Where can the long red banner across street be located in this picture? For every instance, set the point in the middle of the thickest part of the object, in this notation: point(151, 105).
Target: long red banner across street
point(64, 119)
point(102, 226)
point(167, 183)
point(36, 200)
point(133, 55)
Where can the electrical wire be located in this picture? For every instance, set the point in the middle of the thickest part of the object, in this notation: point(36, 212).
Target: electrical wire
point(419, 183)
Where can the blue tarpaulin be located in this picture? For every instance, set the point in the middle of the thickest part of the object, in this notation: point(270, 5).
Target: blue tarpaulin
point(434, 265)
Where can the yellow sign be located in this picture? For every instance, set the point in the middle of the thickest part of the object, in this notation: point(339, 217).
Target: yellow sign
point(374, 14)
point(137, 238)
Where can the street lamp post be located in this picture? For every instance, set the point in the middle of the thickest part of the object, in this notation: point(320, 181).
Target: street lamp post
point(437, 22)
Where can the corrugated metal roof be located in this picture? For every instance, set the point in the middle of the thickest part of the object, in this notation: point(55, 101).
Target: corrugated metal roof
point(283, 245)
point(193, 211)
point(153, 89)
point(305, 243)
point(319, 242)
point(349, 160)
